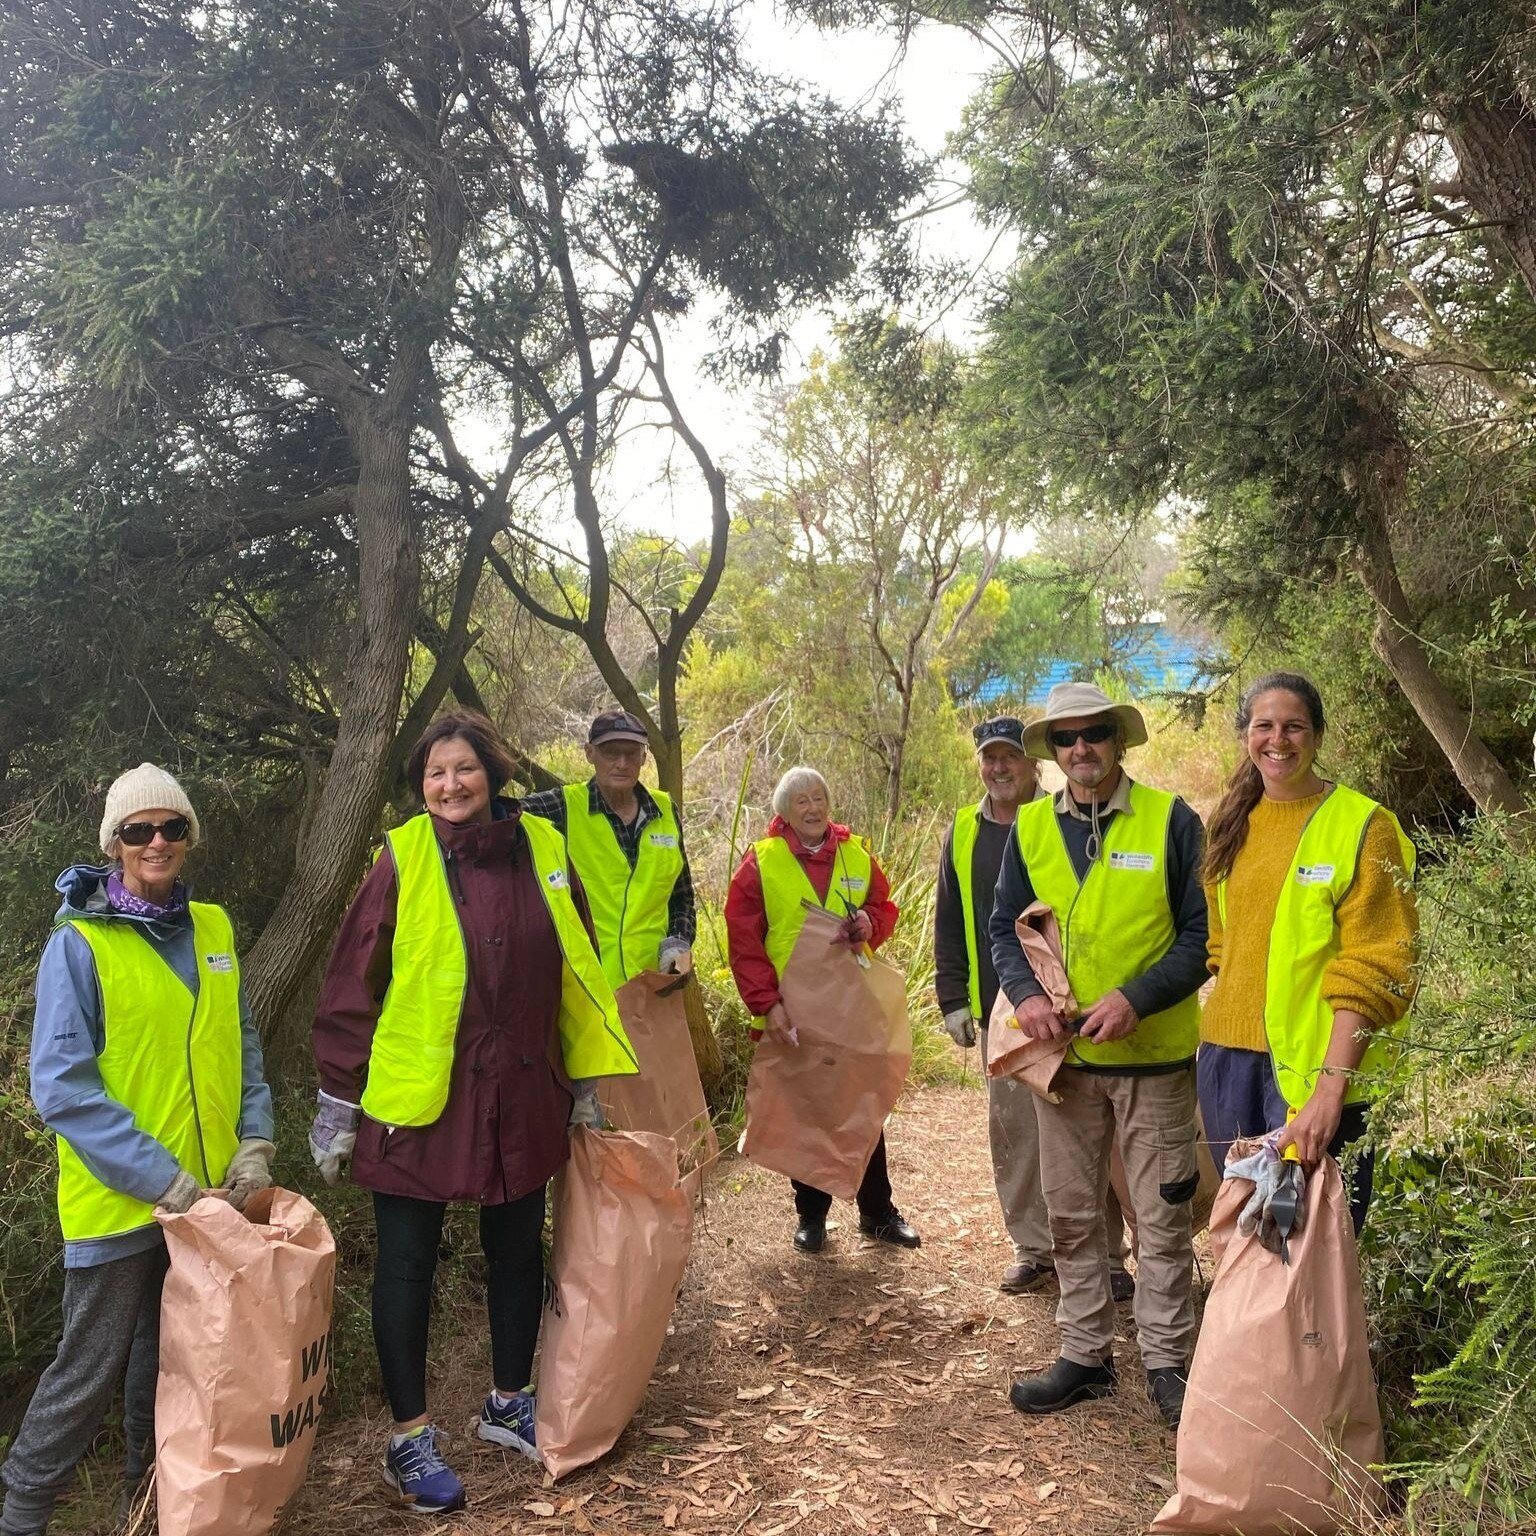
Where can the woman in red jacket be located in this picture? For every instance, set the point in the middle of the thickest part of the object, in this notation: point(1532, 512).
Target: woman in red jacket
point(825, 852)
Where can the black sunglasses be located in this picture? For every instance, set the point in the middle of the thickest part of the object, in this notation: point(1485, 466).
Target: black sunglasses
point(1093, 734)
point(140, 834)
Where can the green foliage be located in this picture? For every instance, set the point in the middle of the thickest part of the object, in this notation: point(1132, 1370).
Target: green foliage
point(1451, 1243)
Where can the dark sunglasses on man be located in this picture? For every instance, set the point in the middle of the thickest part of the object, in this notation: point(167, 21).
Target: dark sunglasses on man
point(1092, 734)
point(140, 834)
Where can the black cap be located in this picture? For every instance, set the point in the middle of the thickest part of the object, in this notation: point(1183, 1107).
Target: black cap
point(617, 725)
point(1004, 728)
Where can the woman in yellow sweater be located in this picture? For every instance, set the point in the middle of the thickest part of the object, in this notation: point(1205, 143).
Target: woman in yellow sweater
point(1313, 929)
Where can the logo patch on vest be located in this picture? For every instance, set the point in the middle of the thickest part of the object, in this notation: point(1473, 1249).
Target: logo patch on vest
point(662, 840)
point(556, 880)
point(1119, 860)
point(852, 883)
point(223, 963)
point(1314, 874)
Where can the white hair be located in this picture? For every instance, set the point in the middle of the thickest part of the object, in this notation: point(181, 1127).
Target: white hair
point(795, 781)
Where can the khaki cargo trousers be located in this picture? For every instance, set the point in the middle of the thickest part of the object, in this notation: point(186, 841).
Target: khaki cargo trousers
point(1154, 1118)
point(1013, 1135)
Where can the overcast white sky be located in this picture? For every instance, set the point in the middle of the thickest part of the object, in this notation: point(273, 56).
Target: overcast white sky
point(930, 82)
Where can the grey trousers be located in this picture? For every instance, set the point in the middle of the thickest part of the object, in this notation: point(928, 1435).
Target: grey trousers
point(1013, 1133)
point(111, 1326)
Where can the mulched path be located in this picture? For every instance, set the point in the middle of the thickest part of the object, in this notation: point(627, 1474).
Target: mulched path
point(863, 1389)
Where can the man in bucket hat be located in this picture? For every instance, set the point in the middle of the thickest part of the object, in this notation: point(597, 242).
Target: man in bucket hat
point(966, 984)
point(1119, 863)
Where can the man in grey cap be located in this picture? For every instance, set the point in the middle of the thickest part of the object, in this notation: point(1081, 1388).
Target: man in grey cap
point(966, 984)
point(626, 843)
point(1119, 864)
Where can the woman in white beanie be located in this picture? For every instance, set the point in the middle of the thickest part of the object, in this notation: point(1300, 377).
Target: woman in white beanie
point(147, 1068)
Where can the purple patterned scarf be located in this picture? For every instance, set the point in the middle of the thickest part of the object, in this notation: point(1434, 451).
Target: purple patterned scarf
point(123, 900)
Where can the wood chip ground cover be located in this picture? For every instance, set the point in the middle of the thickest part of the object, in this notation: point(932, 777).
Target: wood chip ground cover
point(860, 1390)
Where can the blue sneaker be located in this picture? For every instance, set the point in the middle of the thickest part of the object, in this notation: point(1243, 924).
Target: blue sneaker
point(415, 1469)
point(510, 1425)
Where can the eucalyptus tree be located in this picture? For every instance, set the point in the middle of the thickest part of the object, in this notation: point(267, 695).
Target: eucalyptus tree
point(360, 223)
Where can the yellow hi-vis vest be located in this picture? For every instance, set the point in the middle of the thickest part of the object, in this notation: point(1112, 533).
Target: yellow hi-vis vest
point(786, 886)
point(173, 1062)
point(1117, 923)
point(1305, 939)
point(629, 906)
point(962, 844)
point(411, 1061)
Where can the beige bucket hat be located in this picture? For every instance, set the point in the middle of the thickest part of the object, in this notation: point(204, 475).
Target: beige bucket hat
point(1070, 701)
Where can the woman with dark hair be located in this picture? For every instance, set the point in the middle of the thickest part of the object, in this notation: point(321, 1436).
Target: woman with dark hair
point(1312, 939)
point(462, 1021)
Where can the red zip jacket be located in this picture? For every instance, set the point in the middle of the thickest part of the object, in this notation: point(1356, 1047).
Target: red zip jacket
point(746, 918)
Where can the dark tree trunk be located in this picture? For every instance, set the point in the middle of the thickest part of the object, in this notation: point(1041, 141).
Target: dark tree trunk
point(1495, 147)
point(344, 815)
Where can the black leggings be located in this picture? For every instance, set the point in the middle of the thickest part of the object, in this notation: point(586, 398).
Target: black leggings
point(409, 1233)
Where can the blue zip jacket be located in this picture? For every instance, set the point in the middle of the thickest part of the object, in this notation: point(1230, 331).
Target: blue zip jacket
point(69, 1034)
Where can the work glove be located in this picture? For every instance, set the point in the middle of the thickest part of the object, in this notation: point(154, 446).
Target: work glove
point(674, 958)
point(961, 1027)
point(1276, 1185)
point(181, 1194)
point(333, 1136)
point(250, 1169)
point(585, 1110)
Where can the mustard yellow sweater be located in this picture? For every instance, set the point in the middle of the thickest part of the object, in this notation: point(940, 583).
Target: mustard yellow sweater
point(1378, 928)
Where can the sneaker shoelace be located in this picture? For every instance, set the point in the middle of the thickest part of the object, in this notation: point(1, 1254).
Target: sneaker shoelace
point(420, 1456)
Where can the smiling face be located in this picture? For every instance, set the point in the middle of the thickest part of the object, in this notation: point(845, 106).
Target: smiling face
point(150, 872)
point(1007, 774)
point(810, 813)
point(1282, 743)
point(455, 785)
point(1089, 765)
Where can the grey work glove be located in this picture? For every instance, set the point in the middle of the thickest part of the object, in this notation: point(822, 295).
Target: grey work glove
point(181, 1194)
point(250, 1169)
point(585, 1110)
point(961, 1027)
point(674, 958)
point(332, 1136)
point(1271, 1177)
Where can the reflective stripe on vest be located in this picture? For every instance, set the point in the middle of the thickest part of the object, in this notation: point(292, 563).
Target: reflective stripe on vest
point(629, 906)
point(174, 1063)
point(1305, 939)
point(786, 886)
point(410, 1066)
point(1117, 923)
point(962, 846)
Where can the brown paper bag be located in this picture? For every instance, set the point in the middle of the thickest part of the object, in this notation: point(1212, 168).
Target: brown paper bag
point(1281, 1425)
point(667, 1096)
point(1010, 1052)
point(245, 1361)
point(815, 1110)
point(623, 1222)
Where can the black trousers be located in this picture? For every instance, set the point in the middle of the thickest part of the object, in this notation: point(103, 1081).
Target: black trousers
point(874, 1196)
point(409, 1233)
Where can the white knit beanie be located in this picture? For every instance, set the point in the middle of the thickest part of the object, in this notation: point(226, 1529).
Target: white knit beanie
point(145, 788)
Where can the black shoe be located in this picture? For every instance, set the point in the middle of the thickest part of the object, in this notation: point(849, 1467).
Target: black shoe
point(1018, 1279)
point(810, 1236)
point(892, 1230)
point(1166, 1386)
point(1064, 1384)
point(1122, 1285)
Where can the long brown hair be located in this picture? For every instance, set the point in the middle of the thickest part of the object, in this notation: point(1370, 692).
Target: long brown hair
point(1228, 830)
